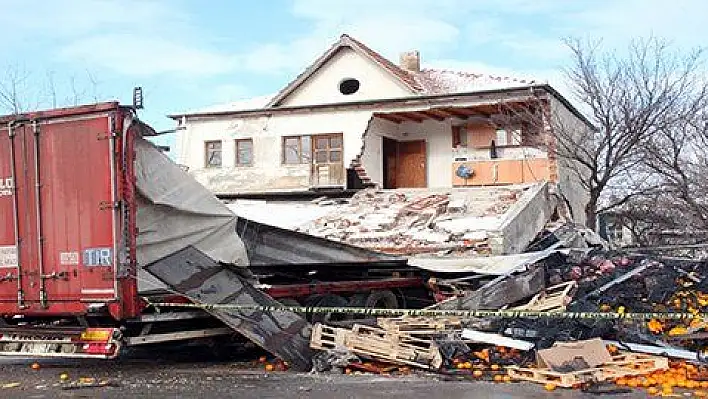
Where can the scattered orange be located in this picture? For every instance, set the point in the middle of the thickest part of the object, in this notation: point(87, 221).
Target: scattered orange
point(621, 381)
point(468, 365)
point(507, 378)
point(549, 387)
point(495, 367)
point(700, 394)
point(498, 378)
point(477, 373)
point(269, 367)
point(35, 366)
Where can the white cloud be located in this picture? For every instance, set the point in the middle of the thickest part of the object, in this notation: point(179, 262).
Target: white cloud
point(136, 55)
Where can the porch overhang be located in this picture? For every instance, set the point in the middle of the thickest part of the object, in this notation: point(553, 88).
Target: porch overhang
point(442, 113)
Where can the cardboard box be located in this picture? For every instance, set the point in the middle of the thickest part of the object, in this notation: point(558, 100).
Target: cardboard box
point(593, 352)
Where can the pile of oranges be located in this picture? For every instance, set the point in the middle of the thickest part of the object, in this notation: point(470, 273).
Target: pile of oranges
point(680, 375)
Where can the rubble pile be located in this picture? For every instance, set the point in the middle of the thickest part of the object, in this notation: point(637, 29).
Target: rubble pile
point(415, 222)
point(661, 356)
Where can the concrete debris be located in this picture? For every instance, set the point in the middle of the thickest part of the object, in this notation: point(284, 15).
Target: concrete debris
point(463, 222)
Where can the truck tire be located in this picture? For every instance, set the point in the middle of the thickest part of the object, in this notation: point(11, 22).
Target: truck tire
point(376, 299)
point(327, 301)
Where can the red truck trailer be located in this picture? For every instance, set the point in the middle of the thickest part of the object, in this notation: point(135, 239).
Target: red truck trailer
point(86, 203)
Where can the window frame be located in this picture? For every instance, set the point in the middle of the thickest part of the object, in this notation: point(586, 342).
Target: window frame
point(237, 162)
point(301, 159)
point(207, 143)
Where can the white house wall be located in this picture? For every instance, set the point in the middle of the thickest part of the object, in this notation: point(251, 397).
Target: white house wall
point(323, 86)
point(267, 171)
point(568, 179)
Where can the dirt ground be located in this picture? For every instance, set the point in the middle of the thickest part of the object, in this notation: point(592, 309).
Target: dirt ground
point(196, 373)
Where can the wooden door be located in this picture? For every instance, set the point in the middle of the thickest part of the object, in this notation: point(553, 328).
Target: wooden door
point(327, 162)
point(411, 169)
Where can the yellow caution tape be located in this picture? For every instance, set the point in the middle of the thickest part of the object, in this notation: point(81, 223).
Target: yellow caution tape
point(519, 314)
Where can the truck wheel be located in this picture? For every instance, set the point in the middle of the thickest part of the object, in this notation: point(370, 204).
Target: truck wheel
point(326, 301)
point(377, 299)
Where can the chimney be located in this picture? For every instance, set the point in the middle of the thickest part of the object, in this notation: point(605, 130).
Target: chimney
point(410, 61)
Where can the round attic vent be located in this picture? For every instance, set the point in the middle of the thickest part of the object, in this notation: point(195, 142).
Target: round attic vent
point(349, 86)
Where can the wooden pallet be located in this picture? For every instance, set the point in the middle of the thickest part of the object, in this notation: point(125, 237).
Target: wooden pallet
point(419, 325)
point(623, 365)
point(553, 299)
point(380, 344)
point(565, 380)
point(326, 337)
point(632, 364)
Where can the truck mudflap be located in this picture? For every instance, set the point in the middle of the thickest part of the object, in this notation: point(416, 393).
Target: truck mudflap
point(71, 342)
point(198, 277)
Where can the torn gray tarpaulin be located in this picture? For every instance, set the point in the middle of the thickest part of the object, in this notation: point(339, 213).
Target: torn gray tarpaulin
point(489, 265)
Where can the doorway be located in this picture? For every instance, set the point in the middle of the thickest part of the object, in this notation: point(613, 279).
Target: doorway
point(404, 163)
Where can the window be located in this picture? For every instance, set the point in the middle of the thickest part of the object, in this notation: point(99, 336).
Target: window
point(244, 152)
point(459, 137)
point(349, 86)
point(328, 148)
point(212, 154)
point(508, 137)
point(297, 150)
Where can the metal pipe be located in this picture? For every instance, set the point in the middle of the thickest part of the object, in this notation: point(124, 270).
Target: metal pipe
point(38, 202)
point(114, 198)
point(16, 215)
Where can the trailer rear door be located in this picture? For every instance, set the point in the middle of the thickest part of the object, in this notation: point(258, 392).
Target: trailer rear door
point(57, 250)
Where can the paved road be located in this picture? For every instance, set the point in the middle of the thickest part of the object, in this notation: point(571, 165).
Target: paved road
point(182, 376)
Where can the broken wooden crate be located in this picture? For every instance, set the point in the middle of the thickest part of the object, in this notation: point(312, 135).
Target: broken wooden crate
point(379, 344)
point(420, 326)
point(623, 365)
point(552, 299)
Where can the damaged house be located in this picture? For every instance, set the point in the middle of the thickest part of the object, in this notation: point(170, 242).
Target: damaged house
point(355, 120)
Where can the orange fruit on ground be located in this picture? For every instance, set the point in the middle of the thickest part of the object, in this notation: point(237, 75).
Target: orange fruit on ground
point(700, 394)
point(498, 378)
point(621, 381)
point(507, 378)
point(468, 365)
point(35, 366)
point(549, 387)
point(460, 366)
point(653, 391)
point(495, 367)
point(703, 384)
point(269, 367)
point(477, 373)
point(667, 390)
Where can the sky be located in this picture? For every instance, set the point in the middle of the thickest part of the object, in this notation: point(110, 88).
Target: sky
point(191, 54)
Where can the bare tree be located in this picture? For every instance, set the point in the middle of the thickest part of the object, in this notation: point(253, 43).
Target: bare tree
point(21, 92)
point(13, 90)
point(629, 99)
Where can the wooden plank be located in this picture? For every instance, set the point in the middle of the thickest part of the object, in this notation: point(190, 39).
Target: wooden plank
point(389, 117)
point(554, 298)
point(198, 277)
point(411, 116)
